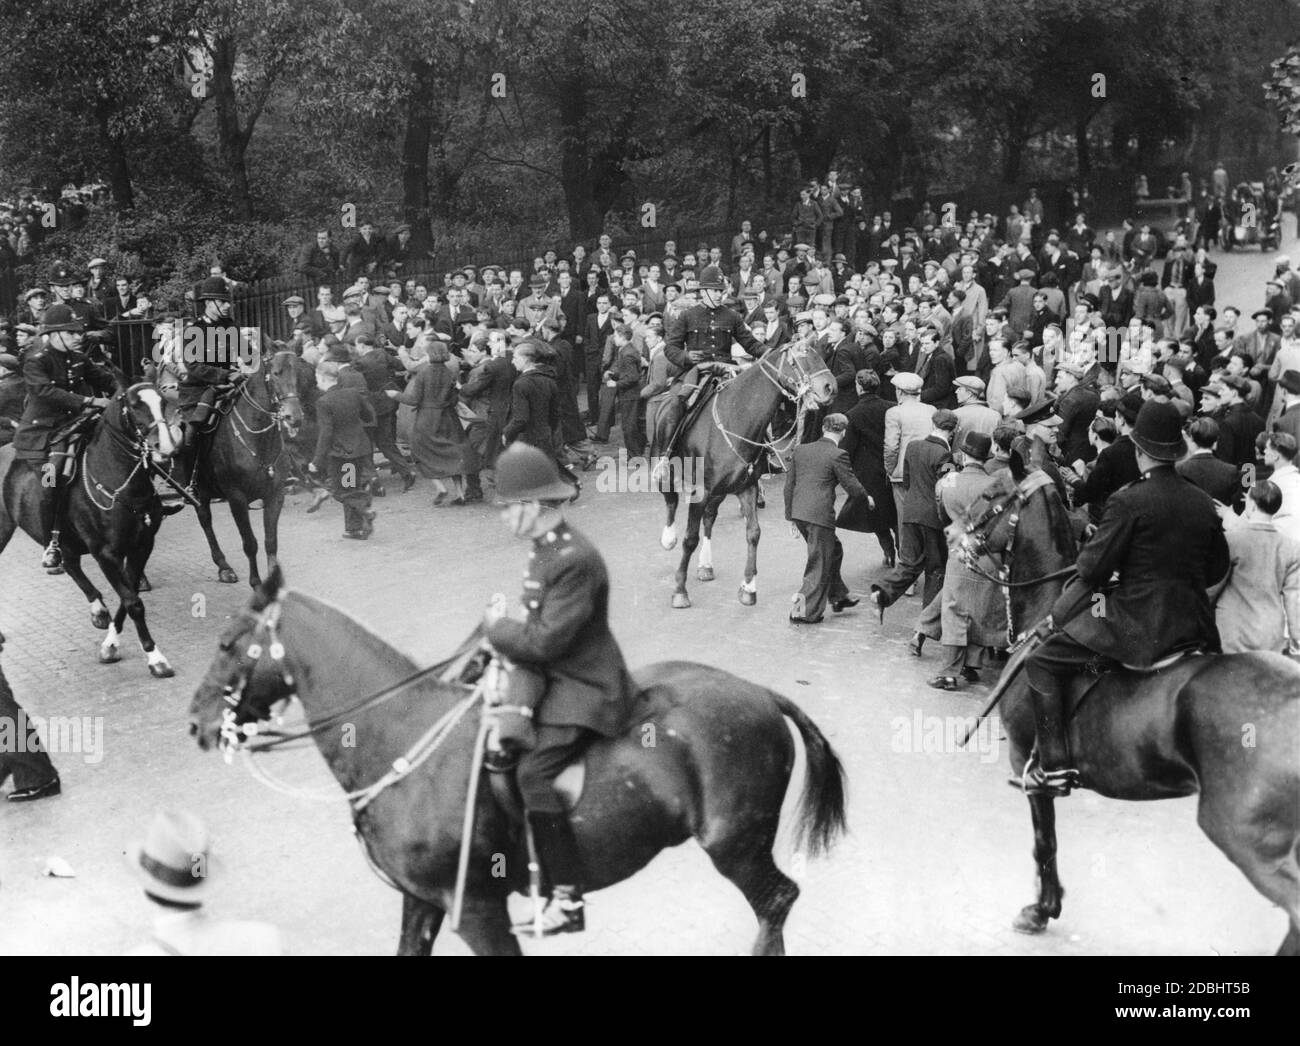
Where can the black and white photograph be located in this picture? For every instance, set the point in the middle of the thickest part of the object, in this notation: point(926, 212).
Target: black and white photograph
point(651, 478)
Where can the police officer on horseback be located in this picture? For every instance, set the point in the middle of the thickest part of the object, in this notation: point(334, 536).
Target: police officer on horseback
point(1163, 537)
point(568, 683)
point(63, 385)
point(210, 353)
point(699, 341)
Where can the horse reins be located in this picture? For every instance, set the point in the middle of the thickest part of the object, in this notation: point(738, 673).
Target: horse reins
point(141, 448)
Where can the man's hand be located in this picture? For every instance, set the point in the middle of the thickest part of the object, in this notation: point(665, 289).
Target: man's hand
point(311, 467)
point(871, 503)
point(695, 356)
point(392, 394)
point(98, 401)
point(1045, 629)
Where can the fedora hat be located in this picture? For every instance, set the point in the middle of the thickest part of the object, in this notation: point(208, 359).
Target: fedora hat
point(524, 473)
point(174, 860)
point(1158, 431)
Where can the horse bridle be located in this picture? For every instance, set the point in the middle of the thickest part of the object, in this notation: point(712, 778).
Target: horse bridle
point(974, 541)
point(265, 625)
point(137, 444)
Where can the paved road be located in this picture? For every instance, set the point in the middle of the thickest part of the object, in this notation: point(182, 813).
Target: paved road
point(938, 856)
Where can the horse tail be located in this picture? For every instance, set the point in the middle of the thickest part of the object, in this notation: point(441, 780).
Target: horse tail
point(821, 808)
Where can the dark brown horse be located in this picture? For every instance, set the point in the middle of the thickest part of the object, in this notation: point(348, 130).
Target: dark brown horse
point(1226, 727)
point(719, 454)
point(710, 758)
point(112, 514)
point(243, 461)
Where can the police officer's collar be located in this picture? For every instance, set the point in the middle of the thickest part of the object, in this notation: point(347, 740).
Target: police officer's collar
point(555, 536)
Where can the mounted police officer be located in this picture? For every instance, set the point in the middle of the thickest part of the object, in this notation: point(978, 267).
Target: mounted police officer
point(1165, 539)
point(65, 280)
point(564, 663)
point(210, 353)
point(699, 341)
point(62, 383)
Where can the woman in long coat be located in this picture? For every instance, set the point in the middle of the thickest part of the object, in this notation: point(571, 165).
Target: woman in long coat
point(437, 438)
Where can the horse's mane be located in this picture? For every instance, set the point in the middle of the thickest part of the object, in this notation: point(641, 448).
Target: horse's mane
point(358, 635)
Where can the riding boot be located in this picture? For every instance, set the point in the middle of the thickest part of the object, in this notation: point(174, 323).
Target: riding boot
point(557, 851)
point(1050, 771)
point(54, 501)
point(669, 429)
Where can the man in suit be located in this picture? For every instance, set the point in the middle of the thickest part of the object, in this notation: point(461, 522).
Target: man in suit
point(973, 414)
point(1019, 303)
point(566, 668)
point(318, 262)
point(1165, 540)
point(1116, 465)
point(864, 443)
point(343, 448)
point(922, 548)
point(364, 252)
point(487, 391)
point(1259, 608)
point(815, 471)
point(935, 369)
point(20, 751)
point(378, 369)
point(600, 328)
point(908, 420)
point(1289, 420)
point(1238, 424)
point(1280, 456)
point(1076, 406)
point(1216, 477)
point(844, 358)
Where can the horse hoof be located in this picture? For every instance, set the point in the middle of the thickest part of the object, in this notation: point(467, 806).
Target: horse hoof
point(681, 601)
point(227, 576)
point(1030, 920)
point(109, 657)
point(747, 598)
point(144, 585)
point(162, 670)
point(668, 540)
point(100, 620)
point(254, 582)
point(705, 573)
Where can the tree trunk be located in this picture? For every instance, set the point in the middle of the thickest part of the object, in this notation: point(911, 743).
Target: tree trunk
point(1013, 149)
point(232, 140)
point(586, 218)
point(1082, 152)
point(415, 157)
point(119, 171)
point(767, 169)
point(733, 180)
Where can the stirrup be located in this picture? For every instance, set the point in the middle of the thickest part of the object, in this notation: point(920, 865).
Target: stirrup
point(562, 914)
point(1034, 780)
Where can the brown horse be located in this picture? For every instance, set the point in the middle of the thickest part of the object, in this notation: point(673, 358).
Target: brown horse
point(718, 453)
point(112, 512)
point(1226, 727)
point(710, 757)
point(243, 461)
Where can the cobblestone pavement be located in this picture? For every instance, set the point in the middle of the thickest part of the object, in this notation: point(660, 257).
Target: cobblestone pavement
point(937, 860)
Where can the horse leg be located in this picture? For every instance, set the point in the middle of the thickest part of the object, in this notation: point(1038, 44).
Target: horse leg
point(271, 507)
point(238, 503)
point(668, 539)
point(1033, 917)
point(204, 511)
point(124, 581)
point(486, 928)
point(689, 543)
point(420, 924)
point(705, 570)
point(140, 553)
point(769, 891)
point(749, 506)
point(98, 611)
point(1265, 848)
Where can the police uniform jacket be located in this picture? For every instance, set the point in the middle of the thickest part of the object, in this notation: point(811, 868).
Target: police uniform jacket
point(710, 331)
point(342, 414)
point(58, 385)
point(208, 369)
point(12, 393)
point(1166, 541)
point(566, 635)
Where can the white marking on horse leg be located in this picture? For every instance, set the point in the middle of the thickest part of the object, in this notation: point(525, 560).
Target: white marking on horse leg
point(109, 646)
point(668, 539)
point(751, 585)
point(97, 607)
point(155, 658)
point(706, 553)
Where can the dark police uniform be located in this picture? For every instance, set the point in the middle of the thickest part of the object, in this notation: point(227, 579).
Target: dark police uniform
point(566, 638)
point(704, 330)
point(59, 387)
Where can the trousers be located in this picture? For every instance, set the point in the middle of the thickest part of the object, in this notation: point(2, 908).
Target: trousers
point(921, 550)
point(821, 574)
point(557, 747)
point(20, 747)
point(348, 478)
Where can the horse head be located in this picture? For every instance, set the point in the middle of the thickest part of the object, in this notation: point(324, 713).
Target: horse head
point(143, 421)
point(283, 372)
point(248, 675)
point(801, 373)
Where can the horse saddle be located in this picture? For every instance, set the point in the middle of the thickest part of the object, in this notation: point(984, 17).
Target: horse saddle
point(1102, 667)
